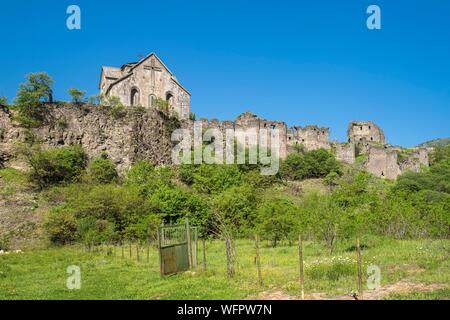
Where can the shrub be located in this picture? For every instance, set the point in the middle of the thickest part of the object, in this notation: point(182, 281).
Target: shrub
point(102, 170)
point(146, 178)
point(76, 94)
point(440, 154)
point(145, 229)
point(3, 101)
point(30, 98)
point(212, 179)
point(56, 165)
point(114, 106)
point(162, 105)
point(311, 164)
point(119, 205)
point(173, 203)
point(61, 226)
point(95, 231)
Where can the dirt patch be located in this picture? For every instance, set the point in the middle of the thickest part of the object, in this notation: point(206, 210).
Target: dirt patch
point(401, 287)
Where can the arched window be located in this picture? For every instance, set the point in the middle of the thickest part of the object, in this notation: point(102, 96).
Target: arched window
point(152, 101)
point(134, 97)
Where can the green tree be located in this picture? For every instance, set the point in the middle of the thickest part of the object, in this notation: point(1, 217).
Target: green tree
point(276, 220)
point(76, 94)
point(236, 209)
point(3, 101)
point(30, 98)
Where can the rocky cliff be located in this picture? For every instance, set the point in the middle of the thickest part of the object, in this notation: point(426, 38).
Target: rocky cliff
point(135, 135)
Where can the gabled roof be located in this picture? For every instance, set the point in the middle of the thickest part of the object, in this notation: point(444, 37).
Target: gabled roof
point(136, 64)
point(110, 72)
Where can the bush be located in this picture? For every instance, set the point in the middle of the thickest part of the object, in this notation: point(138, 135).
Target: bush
point(54, 166)
point(61, 226)
point(114, 106)
point(146, 178)
point(95, 231)
point(120, 206)
point(102, 170)
point(212, 179)
point(311, 164)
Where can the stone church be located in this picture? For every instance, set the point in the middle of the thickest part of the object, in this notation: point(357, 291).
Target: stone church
point(141, 83)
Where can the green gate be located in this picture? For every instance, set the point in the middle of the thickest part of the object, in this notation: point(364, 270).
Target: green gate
point(177, 248)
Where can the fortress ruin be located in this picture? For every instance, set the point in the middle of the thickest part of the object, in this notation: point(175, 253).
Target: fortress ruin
point(147, 135)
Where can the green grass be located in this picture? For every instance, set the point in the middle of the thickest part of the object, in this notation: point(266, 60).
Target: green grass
point(41, 274)
point(12, 181)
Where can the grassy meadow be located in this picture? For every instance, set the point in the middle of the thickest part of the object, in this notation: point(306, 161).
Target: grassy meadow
point(410, 269)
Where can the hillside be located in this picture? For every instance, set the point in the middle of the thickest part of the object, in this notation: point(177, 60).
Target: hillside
point(441, 142)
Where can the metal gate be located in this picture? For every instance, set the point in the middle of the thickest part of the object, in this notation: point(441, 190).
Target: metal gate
point(177, 248)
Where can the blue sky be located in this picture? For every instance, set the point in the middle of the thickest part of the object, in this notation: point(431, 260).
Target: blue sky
point(303, 62)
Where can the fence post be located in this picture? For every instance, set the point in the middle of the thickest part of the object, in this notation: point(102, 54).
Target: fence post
point(196, 247)
point(159, 251)
point(204, 254)
point(360, 286)
point(188, 236)
point(130, 249)
point(137, 251)
point(148, 251)
point(230, 258)
point(302, 277)
point(258, 261)
point(123, 249)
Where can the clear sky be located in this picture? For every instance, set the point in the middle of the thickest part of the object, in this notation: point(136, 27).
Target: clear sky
point(303, 62)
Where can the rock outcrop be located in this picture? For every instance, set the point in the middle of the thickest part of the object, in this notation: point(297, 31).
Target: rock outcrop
point(136, 135)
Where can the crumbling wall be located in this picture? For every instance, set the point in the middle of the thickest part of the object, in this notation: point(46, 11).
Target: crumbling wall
point(345, 152)
point(413, 160)
point(310, 137)
point(382, 162)
point(360, 131)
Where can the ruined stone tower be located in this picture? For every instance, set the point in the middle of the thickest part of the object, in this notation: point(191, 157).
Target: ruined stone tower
point(141, 83)
point(361, 131)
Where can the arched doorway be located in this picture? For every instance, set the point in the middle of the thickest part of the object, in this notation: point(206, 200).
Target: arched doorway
point(134, 97)
point(169, 99)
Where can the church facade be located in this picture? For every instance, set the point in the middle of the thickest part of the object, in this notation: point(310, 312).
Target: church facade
point(141, 83)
